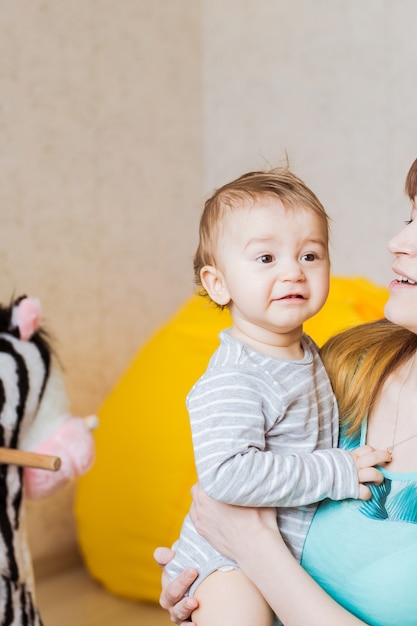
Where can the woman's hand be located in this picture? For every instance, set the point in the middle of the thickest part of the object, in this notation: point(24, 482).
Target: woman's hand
point(172, 597)
point(228, 527)
point(223, 525)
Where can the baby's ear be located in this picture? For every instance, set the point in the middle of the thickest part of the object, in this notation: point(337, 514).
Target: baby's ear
point(214, 283)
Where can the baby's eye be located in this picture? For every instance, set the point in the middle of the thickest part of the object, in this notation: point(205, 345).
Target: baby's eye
point(265, 258)
point(309, 256)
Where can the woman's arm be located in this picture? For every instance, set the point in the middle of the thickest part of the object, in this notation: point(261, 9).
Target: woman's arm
point(251, 537)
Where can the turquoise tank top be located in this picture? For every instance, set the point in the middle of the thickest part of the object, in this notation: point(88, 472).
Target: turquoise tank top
point(364, 554)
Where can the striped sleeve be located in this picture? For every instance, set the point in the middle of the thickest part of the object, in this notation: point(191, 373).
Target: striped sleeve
point(228, 423)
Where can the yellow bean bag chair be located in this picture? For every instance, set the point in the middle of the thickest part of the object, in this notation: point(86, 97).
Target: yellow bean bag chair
point(138, 491)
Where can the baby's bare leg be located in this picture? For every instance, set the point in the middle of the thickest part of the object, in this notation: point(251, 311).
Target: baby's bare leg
point(229, 598)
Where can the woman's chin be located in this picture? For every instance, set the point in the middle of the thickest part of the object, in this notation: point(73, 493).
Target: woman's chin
point(402, 313)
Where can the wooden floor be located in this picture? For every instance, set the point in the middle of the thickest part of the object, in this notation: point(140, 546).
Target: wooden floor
point(73, 598)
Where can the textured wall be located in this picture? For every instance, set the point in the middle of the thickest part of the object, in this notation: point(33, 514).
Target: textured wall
point(100, 135)
point(100, 182)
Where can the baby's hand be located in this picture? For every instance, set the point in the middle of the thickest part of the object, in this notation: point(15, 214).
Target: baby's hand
point(366, 457)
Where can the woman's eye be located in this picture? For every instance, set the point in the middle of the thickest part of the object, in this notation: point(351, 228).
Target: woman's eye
point(265, 258)
point(310, 256)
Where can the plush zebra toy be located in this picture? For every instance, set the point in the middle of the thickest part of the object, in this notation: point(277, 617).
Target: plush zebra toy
point(35, 418)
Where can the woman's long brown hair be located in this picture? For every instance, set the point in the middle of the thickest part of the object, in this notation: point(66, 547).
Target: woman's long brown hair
point(359, 361)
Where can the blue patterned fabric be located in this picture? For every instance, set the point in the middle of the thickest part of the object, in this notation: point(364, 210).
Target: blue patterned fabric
point(365, 553)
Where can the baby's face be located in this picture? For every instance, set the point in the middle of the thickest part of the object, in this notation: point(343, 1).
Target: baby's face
point(275, 265)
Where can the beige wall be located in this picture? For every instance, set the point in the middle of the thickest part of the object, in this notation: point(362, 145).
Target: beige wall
point(118, 116)
point(100, 183)
point(100, 172)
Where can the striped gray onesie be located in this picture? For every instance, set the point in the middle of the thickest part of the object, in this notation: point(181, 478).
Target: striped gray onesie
point(264, 434)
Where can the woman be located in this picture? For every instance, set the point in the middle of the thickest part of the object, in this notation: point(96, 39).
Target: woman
point(363, 554)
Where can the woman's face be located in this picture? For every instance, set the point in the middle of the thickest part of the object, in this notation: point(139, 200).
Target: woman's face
point(401, 307)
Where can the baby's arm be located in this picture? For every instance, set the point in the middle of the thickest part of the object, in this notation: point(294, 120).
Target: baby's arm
point(228, 425)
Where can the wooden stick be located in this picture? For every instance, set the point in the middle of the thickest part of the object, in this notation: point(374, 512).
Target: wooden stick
point(10, 456)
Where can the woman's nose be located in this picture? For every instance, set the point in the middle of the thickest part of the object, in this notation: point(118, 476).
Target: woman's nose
point(405, 242)
point(393, 245)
